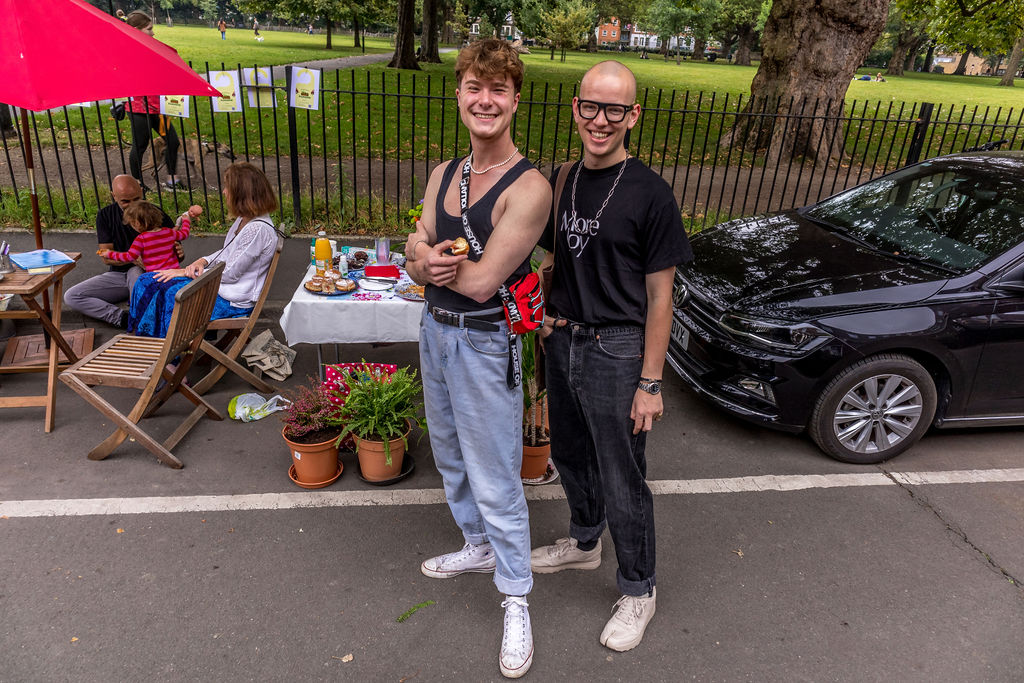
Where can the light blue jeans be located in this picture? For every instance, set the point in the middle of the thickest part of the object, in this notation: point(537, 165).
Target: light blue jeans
point(475, 424)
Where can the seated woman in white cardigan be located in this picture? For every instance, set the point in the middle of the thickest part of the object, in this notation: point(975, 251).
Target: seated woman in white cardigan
point(247, 252)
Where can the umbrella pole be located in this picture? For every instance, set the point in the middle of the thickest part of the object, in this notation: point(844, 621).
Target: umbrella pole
point(36, 225)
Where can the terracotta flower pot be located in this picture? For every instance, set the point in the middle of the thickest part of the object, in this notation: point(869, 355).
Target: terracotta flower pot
point(314, 463)
point(535, 461)
point(372, 461)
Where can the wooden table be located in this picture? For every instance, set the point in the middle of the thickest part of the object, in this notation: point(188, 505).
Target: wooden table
point(41, 352)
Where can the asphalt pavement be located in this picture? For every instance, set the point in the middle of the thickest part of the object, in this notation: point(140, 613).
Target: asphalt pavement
point(774, 562)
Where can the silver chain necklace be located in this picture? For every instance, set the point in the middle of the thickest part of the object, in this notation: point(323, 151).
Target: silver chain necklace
point(492, 166)
point(610, 192)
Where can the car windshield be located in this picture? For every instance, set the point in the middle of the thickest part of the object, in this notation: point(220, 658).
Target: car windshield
point(955, 214)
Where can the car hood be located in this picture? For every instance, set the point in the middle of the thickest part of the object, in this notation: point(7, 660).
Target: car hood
point(786, 267)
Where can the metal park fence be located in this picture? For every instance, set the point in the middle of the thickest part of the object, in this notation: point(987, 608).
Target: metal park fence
point(362, 159)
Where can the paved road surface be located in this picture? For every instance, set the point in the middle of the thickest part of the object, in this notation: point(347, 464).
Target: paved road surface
point(774, 563)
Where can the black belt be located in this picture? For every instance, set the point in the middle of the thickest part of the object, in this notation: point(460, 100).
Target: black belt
point(486, 322)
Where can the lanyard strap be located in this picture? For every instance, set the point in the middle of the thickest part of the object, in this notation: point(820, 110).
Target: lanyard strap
point(514, 373)
point(514, 314)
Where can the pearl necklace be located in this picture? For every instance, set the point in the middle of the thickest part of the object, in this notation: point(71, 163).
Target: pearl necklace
point(492, 166)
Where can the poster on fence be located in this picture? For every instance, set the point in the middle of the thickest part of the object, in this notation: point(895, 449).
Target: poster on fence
point(259, 84)
point(227, 83)
point(174, 105)
point(305, 89)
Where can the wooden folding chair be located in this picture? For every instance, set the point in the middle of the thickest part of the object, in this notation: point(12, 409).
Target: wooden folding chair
point(225, 352)
point(139, 363)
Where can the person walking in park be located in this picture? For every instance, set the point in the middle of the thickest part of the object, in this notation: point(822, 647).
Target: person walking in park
point(99, 296)
point(146, 117)
point(223, 28)
point(615, 241)
point(474, 411)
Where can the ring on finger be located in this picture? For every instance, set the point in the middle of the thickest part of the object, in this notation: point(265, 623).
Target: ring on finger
point(658, 416)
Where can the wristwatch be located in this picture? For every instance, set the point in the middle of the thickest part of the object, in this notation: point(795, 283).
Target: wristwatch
point(651, 386)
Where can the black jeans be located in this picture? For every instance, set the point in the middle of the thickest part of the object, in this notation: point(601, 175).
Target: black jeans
point(142, 127)
point(592, 375)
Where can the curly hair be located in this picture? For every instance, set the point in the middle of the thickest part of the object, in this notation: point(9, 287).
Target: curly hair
point(143, 216)
point(490, 58)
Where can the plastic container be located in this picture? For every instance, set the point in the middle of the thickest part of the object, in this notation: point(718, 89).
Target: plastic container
point(322, 253)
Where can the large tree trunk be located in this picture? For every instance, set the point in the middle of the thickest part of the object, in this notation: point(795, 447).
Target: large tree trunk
point(1014, 62)
point(929, 58)
point(357, 40)
point(428, 41)
point(810, 52)
point(699, 43)
point(592, 41)
point(448, 16)
point(6, 124)
point(405, 50)
point(961, 68)
point(330, 30)
point(899, 56)
point(746, 39)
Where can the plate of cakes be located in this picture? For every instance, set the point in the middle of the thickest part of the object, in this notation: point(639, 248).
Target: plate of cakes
point(410, 291)
point(331, 283)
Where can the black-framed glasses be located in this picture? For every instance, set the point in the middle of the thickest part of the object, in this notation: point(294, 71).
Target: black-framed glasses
point(613, 112)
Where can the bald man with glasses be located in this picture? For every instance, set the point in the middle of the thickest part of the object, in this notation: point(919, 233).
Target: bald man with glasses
point(99, 296)
point(615, 240)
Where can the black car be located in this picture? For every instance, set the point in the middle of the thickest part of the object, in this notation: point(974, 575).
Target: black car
point(870, 316)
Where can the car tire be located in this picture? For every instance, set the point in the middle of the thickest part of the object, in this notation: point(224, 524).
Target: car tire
point(874, 410)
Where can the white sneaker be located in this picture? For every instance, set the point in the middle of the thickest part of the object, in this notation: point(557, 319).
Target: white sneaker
point(472, 558)
point(625, 629)
point(517, 640)
point(564, 554)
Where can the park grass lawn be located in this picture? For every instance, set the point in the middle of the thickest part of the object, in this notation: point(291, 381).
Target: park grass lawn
point(199, 45)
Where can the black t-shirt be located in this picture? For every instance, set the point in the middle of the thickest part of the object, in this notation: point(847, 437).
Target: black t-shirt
point(110, 229)
point(449, 227)
point(600, 266)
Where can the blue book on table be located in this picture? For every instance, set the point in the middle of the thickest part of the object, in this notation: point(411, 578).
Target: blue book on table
point(40, 258)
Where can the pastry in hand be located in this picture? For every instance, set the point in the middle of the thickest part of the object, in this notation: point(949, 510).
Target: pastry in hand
point(460, 247)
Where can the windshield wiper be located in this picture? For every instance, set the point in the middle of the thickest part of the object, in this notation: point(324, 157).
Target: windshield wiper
point(923, 260)
point(902, 256)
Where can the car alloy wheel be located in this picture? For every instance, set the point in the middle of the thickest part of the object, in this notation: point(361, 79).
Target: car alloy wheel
point(877, 414)
point(874, 410)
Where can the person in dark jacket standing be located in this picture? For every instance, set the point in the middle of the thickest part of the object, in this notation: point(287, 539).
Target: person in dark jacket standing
point(616, 240)
point(145, 118)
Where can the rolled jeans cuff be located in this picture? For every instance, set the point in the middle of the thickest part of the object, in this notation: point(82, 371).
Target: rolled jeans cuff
point(513, 586)
point(635, 588)
point(475, 539)
point(587, 534)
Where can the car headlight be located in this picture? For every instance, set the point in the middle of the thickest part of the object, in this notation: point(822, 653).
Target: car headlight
point(789, 336)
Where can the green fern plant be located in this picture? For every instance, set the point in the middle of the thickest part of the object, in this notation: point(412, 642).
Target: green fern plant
point(378, 407)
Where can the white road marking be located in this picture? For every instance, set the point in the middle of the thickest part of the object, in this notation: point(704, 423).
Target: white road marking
point(77, 507)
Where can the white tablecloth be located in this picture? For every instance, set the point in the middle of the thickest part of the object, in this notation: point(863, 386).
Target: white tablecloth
point(360, 317)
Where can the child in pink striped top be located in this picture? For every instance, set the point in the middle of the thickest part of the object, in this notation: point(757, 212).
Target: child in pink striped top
point(154, 243)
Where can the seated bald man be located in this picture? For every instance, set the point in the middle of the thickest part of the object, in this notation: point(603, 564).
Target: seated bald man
point(99, 296)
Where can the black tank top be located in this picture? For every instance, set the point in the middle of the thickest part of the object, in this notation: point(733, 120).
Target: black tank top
point(449, 227)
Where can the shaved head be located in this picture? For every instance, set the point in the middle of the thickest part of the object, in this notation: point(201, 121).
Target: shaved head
point(125, 190)
point(125, 184)
point(611, 71)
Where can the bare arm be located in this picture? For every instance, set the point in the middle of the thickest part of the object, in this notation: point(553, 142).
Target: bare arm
point(527, 203)
point(426, 261)
point(657, 330)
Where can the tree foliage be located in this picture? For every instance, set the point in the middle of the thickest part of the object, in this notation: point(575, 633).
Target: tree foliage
point(568, 24)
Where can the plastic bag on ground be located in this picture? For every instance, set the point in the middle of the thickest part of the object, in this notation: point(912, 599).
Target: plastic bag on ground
point(252, 407)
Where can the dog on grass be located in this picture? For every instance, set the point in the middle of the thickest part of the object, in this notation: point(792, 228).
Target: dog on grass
point(192, 150)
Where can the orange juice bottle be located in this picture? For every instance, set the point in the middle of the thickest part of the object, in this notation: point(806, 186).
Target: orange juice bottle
point(322, 253)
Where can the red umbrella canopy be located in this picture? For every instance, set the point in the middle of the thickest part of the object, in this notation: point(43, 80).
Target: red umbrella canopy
point(60, 52)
